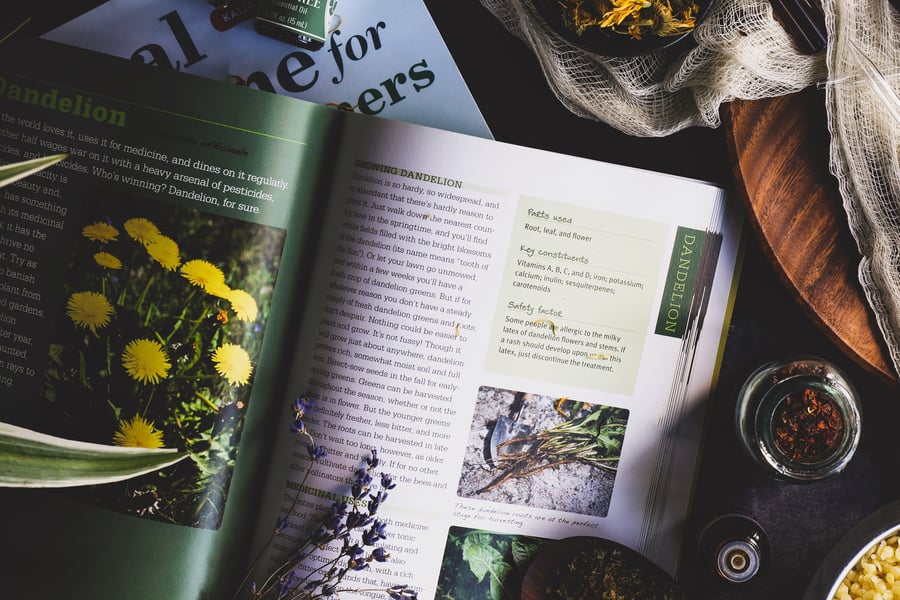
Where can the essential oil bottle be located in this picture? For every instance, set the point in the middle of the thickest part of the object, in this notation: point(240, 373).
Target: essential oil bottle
point(734, 547)
point(302, 23)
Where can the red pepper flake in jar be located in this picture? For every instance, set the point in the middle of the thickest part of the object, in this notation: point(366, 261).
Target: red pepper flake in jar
point(807, 425)
point(799, 418)
point(798, 368)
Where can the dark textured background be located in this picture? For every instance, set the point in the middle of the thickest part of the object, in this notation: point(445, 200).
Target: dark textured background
point(802, 521)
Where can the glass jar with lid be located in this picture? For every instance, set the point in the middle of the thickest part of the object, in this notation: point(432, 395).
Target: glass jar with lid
point(799, 418)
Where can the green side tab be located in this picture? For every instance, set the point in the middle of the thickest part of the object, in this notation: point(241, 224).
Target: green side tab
point(675, 304)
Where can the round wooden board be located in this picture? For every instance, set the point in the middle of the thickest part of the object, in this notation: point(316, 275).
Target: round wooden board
point(779, 151)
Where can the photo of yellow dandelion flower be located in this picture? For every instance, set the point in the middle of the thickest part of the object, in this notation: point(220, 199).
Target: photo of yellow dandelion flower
point(202, 273)
point(145, 361)
point(164, 250)
point(100, 232)
point(243, 305)
point(141, 230)
point(157, 346)
point(233, 363)
point(89, 310)
point(219, 290)
point(138, 432)
point(107, 260)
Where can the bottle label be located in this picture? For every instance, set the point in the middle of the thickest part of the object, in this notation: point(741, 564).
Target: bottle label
point(308, 18)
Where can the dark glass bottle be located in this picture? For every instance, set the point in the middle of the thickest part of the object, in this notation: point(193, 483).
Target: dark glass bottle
point(734, 547)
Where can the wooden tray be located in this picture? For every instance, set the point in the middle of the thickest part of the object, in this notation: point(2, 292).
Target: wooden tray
point(779, 151)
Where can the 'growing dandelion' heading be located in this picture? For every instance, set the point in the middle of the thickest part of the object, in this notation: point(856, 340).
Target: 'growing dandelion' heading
point(53, 99)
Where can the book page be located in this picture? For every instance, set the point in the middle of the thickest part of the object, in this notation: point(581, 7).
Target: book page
point(146, 284)
point(479, 309)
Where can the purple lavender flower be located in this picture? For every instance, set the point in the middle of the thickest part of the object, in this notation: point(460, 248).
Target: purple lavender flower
point(356, 559)
point(361, 482)
point(281, 524)
point(374, 461)
point(329, 590)
point(356, 520)
point(348, 523)
point(285, 584)
point(402, 592)
point(375, 533)
point(376, 500)
point(316, 452)
point(379, 554)
point(301, 405)
point(321, 536)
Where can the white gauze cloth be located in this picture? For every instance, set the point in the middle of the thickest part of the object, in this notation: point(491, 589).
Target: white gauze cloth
point(741, 51)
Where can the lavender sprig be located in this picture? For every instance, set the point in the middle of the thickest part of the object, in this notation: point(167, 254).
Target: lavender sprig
point(352, 523)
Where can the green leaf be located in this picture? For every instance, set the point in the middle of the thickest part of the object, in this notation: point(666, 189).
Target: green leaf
point(32, 459)
point(16, 171)
point(523, 550)
point(499, 575)
point(480, 556)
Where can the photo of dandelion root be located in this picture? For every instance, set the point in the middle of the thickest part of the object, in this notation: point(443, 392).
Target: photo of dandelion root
point(156, 344)
point(543, 452)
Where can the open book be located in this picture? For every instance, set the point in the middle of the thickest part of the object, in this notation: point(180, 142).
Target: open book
point(207, 253)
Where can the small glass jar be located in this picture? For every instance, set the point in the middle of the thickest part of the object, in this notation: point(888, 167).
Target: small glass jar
point(799, 418)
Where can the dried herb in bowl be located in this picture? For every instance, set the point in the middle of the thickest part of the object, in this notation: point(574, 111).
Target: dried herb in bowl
point(634, 18)
point(622, 27)
point(587, 568)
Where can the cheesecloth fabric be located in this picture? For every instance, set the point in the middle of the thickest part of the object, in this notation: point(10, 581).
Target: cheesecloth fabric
point(864, 122)
point(742, 52)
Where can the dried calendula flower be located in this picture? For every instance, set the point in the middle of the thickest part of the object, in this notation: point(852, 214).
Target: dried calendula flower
point(634, 18)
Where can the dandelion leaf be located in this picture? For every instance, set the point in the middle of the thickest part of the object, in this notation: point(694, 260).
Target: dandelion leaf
point(13, 172)
point(37, 460)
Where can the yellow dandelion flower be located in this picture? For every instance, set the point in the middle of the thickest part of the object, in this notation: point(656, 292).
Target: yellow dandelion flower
point(164, 250)
point(202, 273)
point(145, 361)
point(622, 9)
point(219, 289)
point(233, 363)
point(141, 230)
point(138, 433)
point(100, 232)
point(89, 310)
point(243, 305)
point(107, 260)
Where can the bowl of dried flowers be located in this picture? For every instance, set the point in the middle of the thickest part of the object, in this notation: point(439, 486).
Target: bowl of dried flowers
point(622, 27)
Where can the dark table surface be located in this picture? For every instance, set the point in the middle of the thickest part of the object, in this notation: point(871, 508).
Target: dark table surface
point(802, 521)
